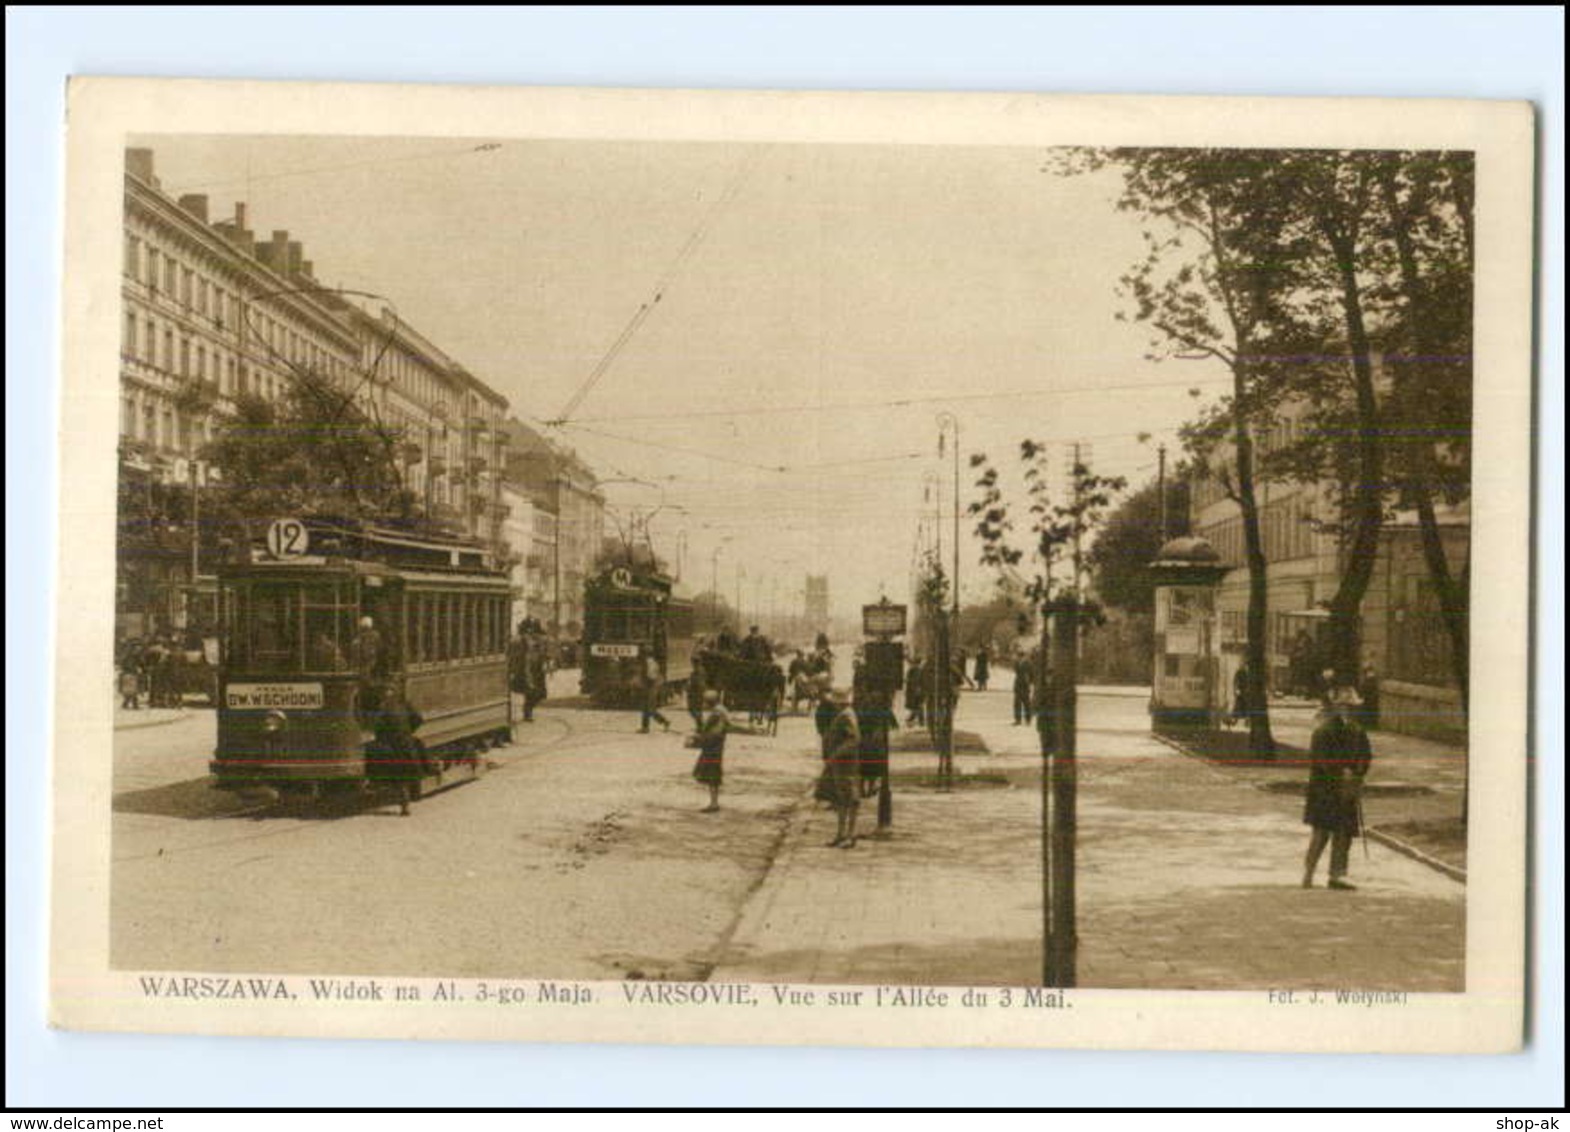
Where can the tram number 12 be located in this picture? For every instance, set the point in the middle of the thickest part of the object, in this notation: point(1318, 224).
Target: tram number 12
point(286, 537)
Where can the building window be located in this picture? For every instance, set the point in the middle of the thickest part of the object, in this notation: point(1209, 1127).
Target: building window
point(149, 424)
point(201, 363)
point(185, 358)
point(169, 350)
point(128, 348)
point(128, 417)
point(171, 272)
point(150, 342)
point(185, 287)
point(133, 257)
point(152, 269)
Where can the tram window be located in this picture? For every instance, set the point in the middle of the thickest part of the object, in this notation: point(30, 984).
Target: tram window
point(449, 625)
point(429, 641)
point(274, 628)
point(435, 621)
point(328, 629)
point(415, 616)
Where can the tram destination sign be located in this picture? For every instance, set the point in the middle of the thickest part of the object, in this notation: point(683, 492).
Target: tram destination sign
point(273, 696)
point(883, 620)
point(613, 650)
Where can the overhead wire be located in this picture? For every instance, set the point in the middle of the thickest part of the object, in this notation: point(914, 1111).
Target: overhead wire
point(888, 403)
point(429, 155)
point(660, 286)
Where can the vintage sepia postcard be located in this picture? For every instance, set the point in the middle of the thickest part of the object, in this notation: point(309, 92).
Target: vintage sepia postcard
point(859, 569)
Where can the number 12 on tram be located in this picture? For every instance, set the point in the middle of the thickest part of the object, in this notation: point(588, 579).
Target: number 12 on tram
point(311, 698)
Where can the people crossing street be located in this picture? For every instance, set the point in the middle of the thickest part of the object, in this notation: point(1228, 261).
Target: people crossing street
point(653, 693)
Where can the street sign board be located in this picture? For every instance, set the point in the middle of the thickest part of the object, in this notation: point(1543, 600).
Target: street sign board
point(287, 538)
point(299, 696)
point(883, 620)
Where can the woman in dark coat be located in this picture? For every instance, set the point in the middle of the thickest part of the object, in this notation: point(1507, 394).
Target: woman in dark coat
point(1340, 756)
point(710, 741)
point(842, 761)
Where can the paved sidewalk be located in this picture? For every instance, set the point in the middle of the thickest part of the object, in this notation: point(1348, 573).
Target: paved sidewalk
point(1188, 879)
point(128, 720)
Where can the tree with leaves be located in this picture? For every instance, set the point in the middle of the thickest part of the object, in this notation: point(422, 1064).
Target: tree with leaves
point(315, 452)
point(1427, 200)
point(1056, 529)
point(1217, 282)
point(1130, 540)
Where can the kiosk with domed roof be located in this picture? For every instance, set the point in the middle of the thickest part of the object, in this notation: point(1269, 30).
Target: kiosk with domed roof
point(1184, 686)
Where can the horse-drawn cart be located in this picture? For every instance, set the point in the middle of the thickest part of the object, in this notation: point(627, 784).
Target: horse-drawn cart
point(753, 686)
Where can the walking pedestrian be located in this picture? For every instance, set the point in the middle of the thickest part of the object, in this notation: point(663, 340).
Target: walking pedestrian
point(842, 758)
point(916, 694)
point(1241, 706)
point(1368, 688)
point(697, 685)
point(826, 710)
point(710, 741)
point(653, 693)
point(1341, 756)
point(1023, 680)
point(983, 668)
point(526, 667)
point(130, 687)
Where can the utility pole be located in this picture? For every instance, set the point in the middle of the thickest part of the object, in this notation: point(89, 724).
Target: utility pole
point(196, 531)
point(556, 558)
point(947, 422)
point(1161, 489)
point(1062, 941)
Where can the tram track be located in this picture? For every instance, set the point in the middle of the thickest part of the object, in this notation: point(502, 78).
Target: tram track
point(318, 812)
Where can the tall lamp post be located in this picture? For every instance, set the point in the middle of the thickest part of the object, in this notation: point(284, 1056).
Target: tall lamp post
point(714, 584)
point(949, 423)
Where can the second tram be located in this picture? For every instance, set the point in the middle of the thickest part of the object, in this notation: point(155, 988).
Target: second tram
point(630, 615)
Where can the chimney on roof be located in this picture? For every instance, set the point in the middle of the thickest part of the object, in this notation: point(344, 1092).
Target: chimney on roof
point(308, 269)
point(139, 163)
point(240, 215)
point(295, 257)
point(196, 205)
point(275, 252)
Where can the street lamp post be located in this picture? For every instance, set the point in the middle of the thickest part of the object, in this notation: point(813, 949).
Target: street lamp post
point(714, 586)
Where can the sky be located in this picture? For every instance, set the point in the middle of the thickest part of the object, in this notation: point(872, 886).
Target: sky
point(776, 411)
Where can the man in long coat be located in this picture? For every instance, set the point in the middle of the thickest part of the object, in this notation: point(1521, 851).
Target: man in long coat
point(1341, 756)
point(1023, 680)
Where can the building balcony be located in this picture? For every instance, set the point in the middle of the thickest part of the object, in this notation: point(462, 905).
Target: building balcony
point(147, 373)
